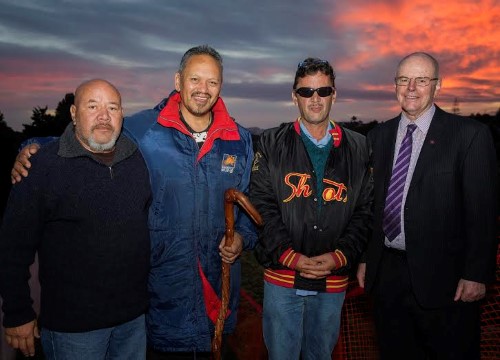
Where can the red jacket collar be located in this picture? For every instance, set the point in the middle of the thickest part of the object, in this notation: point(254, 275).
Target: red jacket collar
point(223, 126)
point(335, 131)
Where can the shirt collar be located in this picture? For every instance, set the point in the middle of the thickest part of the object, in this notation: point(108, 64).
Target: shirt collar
point(423, 122)
point(319, 143)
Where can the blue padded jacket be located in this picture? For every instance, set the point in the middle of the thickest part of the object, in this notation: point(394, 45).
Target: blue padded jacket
point(186, 218)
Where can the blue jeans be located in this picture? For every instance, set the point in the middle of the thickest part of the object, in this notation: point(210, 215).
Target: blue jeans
point(125, 341)
point(294, 324)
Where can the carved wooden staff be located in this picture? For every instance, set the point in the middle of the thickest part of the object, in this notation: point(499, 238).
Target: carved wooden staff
point(230, 197)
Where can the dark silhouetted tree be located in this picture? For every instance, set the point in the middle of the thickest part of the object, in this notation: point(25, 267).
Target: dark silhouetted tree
point(359, 126)
point(9, 143)
point(45, 124)
point(42, 123)
point(63, 116)
point(3, 125)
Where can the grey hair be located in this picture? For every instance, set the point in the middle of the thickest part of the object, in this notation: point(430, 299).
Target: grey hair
point(200, 50)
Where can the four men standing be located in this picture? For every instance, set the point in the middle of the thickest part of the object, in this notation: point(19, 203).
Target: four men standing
point(433, 241)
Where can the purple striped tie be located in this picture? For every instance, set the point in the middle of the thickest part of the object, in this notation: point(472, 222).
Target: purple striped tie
point(394, 199)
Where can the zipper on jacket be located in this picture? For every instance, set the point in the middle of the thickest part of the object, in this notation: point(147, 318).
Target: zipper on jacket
point(111, 172)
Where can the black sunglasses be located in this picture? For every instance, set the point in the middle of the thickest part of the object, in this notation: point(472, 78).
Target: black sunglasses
point(309, 92)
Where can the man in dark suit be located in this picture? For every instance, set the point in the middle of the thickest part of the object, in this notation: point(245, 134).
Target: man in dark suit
point(433, 246)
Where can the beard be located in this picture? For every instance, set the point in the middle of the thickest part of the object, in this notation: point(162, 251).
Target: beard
point(100, 147)
point(199, 109)
point(91, 143)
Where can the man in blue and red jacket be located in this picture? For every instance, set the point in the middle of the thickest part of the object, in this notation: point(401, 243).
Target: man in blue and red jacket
point(194, 151)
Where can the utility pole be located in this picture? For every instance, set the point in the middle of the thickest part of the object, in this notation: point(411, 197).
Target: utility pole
point(456, 107)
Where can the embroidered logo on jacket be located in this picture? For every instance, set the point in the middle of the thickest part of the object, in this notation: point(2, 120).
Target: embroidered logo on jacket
point(255, 165)
point(333, 191)
point(228, 163)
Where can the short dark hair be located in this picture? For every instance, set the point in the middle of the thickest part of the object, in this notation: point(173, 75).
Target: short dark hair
point(200, 50)
point(311, 66)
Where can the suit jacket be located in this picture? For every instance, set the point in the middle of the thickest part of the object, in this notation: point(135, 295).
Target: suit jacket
point(450, 208)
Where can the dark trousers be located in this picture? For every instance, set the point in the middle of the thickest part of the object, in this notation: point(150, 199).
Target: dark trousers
point(226, 353)
point(406, 330)
point(158, 355)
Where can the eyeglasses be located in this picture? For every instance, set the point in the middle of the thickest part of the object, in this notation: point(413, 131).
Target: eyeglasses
point(309, 92)
point(419, 81)
point(309, 63)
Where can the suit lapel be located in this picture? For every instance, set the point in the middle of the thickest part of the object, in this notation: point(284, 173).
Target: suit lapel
point(388, 145)
point(430, 146)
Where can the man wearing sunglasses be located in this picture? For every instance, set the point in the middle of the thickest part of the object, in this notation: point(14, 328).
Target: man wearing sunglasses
point(433, 245)
point(311, 183)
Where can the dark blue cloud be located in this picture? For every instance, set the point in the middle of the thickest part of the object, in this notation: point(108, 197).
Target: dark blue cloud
point(137, 44)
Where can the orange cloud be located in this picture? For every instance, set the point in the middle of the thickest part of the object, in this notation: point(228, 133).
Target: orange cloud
point(463, 35)
point(400, 28)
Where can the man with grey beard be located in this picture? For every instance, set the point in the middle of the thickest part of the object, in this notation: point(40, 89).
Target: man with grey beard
point(77, 211)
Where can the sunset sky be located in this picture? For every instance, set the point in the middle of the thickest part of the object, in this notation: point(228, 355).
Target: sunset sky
point(48, 47)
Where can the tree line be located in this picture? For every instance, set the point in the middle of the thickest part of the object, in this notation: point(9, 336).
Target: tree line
point(43, 123)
